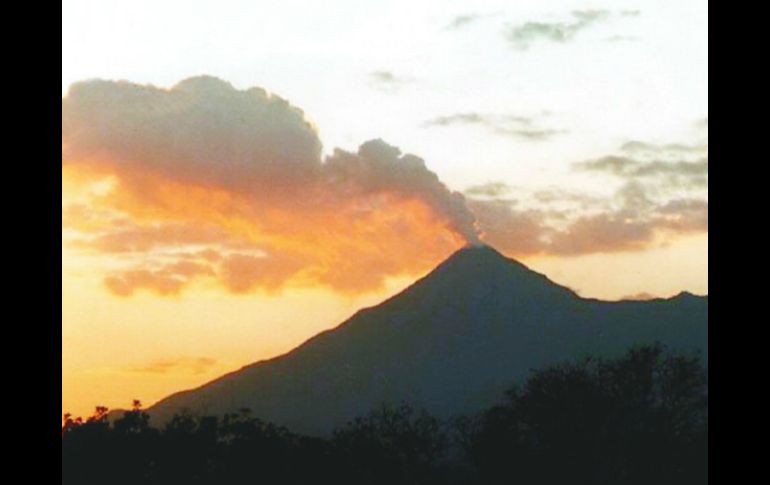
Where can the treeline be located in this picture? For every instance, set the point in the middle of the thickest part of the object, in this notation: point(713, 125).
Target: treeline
point(638, 419)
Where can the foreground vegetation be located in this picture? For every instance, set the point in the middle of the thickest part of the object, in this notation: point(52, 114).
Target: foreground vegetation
point(638, 419)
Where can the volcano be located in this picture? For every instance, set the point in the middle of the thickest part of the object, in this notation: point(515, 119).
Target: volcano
point(451, 343)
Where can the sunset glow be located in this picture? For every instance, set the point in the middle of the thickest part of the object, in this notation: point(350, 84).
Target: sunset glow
point(209, 222)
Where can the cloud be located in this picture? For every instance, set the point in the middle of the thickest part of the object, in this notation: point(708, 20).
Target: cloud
point(560, 196)
point(167, 280)
point(686, 214)
point(646, 148)
point(458, 118)
point(602, 233)
point(205, 181)
point(565, 223)
point(669, 165)
point(192, 365)
point(490, 189)
point(129, 238)
point(525, 233)
point(242, 273)
point(201, 131)
point(662, 192)
point(621, 38)
point(520, 127)
point(380, 168)
point(388, 81)
point(510, 230)
point(631, 168)
point(524, 35)
point(643, 296)
point(461, 21)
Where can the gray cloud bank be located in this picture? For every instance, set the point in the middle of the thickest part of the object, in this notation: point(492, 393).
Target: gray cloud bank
point(663, 189)
point(206, 132)
point(240, 174)
point(218, 183)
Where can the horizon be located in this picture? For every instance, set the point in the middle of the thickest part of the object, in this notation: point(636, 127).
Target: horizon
point(258, 172)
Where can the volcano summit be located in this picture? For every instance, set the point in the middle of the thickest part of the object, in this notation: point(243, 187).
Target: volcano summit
point(452, 343)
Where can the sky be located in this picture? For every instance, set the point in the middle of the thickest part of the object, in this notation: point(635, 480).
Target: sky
point(240, 175)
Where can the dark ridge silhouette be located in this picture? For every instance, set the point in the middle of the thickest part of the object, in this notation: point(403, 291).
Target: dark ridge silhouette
point(638, 419)
point(451, 343)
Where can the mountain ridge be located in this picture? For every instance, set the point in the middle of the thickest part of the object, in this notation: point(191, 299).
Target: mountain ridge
point(452, 342)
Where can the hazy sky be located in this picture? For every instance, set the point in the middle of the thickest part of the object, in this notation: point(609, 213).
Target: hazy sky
point(208, 224)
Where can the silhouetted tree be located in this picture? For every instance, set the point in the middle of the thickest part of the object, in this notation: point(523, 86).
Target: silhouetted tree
point(638, 419)
point(135, 446)
point(87, 451)
point(188, 450)
point(393, 445)
point(252, 446)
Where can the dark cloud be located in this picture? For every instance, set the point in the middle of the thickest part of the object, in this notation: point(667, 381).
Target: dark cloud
point(520, 127)
point(685, 214)
point(388, 81)
point(490, 189)
point(671, 166)
point(461, 118)
point(510, 230)
point(381, 168)
point(602, 233)
point(662, 191)
point(561, 196)
point(202, 130)
point(523, 35)
point(627, 167)
point(206, 132)
point(238, 174)
point(646, 148)
point(461, 21)
point(229, 186)
point(386, 77)
point(583, 224)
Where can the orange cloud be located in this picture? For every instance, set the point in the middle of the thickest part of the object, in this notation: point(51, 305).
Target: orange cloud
point(169, 279)
point(193, 365)
point(206, 182)
point(642, 296)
